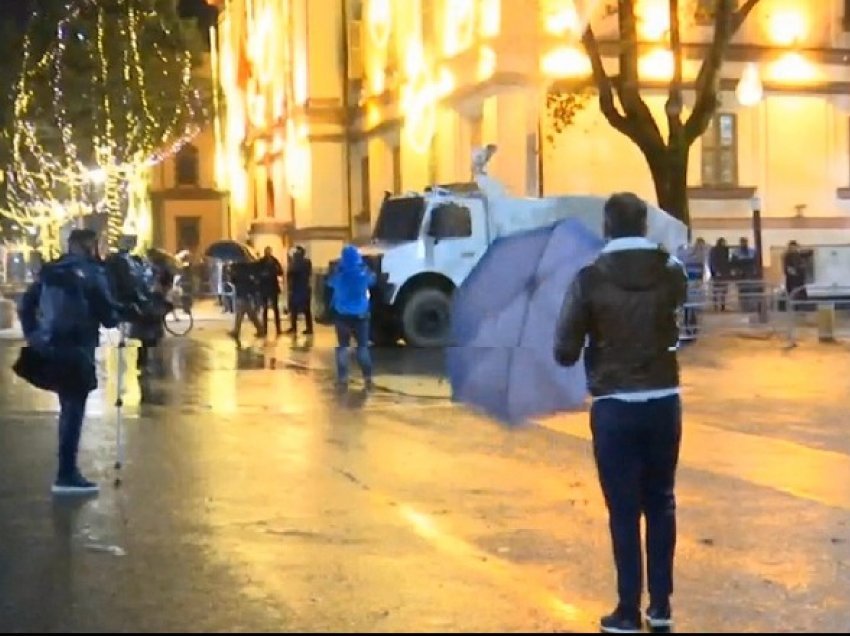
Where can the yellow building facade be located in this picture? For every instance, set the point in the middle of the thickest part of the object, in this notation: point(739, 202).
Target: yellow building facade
point(186, 210)
point(325, 105)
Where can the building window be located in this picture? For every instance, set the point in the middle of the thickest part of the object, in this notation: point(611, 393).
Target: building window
point(450, 221)
point(186, 166)
point(720, 152)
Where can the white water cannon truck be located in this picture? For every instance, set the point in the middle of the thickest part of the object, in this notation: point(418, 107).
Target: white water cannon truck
point(425, 244)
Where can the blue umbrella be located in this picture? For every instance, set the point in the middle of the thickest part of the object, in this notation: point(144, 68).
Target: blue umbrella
point(503, 323)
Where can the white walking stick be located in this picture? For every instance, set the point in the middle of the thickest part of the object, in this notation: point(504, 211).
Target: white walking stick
point(119, 404)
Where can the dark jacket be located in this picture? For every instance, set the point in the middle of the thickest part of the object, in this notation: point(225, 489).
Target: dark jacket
point(270, 273)
point(246, 279)
point(104, 310)
point(718, 263)
point(795, 271)
point(298, 278)
point(624, 307)
point(69, 365)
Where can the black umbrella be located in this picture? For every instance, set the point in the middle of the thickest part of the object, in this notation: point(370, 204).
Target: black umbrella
point(232, 251)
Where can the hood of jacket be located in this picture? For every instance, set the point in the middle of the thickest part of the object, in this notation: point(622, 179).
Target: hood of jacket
point(351, 258)
point(634, 264)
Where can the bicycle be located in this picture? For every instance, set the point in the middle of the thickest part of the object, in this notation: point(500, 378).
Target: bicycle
point(179, 321)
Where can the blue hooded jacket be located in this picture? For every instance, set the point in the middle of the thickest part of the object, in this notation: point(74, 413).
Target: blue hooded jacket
point(350, 282)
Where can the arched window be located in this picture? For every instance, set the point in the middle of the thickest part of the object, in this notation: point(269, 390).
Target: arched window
point(186, 166)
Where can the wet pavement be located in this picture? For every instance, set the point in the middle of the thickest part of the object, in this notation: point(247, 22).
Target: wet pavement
point(256, 498)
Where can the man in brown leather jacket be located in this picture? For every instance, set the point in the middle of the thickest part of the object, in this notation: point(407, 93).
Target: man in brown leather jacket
point(620, 312)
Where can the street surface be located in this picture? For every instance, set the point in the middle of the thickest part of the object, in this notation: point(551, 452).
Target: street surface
point(255, 498)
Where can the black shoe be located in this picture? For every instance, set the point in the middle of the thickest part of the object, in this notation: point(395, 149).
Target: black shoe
point(621, 622)
point(76, 484)
point(659, 617)
point(308, 332)
point(290, 331)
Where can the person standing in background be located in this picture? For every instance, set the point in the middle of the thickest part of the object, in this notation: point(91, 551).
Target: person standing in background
point(299, 280)
point(271, 272)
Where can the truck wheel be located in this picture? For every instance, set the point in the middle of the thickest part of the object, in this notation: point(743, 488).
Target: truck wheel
point(426, 319)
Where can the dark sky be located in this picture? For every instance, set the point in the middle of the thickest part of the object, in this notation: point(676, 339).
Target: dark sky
point(17, 10)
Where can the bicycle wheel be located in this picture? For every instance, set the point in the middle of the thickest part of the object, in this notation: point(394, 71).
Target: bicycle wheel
point(178, 322)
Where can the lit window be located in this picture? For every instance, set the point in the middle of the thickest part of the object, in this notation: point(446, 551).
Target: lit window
point(720, 152)
point(186, 164)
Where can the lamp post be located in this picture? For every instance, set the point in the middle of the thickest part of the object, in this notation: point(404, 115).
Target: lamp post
point(755, 206)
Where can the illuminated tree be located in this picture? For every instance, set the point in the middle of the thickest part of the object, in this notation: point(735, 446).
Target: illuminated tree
point(107, 88)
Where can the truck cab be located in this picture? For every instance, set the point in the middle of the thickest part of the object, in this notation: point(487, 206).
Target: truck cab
point(422, 248)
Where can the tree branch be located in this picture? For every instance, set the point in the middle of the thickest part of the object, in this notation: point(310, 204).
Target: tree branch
point(673, 108)
point(727, 21)
point(742, 13)
point(629, 81)
point(604, 86)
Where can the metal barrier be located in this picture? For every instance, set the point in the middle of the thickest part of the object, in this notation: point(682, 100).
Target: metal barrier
point(729, 305)
point(800, 301)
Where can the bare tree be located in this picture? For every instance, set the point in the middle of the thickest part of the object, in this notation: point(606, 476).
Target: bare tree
point(667, 158)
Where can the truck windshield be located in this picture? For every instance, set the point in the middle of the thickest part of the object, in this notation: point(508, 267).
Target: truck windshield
point(400, 219)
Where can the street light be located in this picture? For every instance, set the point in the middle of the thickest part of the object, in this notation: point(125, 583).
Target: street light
point(755, 206)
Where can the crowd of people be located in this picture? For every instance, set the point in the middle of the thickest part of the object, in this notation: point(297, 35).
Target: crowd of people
point(257, 288)
point(62, 311)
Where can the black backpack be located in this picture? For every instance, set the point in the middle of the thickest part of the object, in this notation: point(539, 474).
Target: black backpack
point(63, 306)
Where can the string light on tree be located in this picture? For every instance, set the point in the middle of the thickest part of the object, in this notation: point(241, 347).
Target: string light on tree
point(110, 105)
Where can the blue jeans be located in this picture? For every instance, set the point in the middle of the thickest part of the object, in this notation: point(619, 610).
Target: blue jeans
point(72, 411)
point(636, 446)
point(358, 328)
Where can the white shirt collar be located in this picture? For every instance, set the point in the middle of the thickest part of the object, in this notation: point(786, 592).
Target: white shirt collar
point(629, 243)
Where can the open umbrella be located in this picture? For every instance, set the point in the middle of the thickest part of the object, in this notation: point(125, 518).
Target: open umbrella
point(232, 251)
point(503, 321)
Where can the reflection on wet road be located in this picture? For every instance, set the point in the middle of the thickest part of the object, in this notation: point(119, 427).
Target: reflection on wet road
point(256, 498)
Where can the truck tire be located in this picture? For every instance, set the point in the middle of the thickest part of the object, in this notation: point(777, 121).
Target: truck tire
point(426, 317)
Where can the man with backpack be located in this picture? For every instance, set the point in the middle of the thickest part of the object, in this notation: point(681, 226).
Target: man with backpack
point(61, 314)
